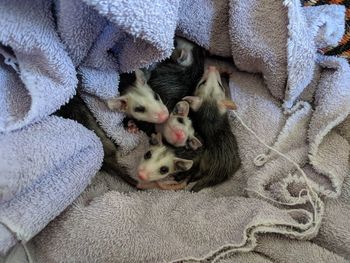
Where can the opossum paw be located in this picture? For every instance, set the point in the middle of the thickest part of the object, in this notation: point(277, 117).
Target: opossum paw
point(132, 127)
point(171, 185)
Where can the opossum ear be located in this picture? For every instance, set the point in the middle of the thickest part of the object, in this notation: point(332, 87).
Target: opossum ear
point(182, 108)
point(229, 104)
point(156, 139)
point(184, 57)
point(118, 104)
point(195, 102)
point(182, 164)
point(140, 77)
point(194, 143)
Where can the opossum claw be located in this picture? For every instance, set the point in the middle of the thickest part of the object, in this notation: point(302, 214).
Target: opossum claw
point(194, 101)
point(132, 127)
point(229, 104)
point(171, 185)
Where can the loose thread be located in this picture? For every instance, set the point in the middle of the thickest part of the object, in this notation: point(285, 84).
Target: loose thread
point(311, 194)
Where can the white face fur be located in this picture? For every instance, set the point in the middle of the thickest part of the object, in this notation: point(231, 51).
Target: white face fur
point(159, 162)
point(210, 88)
point(140, 102)
point(178, 129)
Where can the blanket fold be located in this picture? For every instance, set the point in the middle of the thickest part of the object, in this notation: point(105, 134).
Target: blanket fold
point(156, 226)
point(45, 77)
point(44, 167)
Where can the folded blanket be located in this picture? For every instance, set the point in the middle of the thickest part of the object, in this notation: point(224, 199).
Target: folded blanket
point(44, 167)
point(282, 249)
point(338, 49)
point(154, 226)
point(328, 23)
point(37, 76)
point(297, 104)
point(114, 37)
point(275, 248)
point(108, 43)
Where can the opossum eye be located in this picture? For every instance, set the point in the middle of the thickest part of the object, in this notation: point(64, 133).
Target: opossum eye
point(220, 85)
point(156, 96)
point(147, 155)
point(180, 120)
point(163, 170)
point(202, 83)
point(140, 109)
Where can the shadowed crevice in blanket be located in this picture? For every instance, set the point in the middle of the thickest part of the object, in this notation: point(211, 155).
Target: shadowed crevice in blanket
point(292, 98)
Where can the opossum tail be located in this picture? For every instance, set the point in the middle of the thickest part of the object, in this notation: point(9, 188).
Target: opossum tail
point(111, 166)
point(220, 161)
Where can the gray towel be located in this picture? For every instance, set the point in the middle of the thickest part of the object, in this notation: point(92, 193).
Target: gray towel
point(154, 226)
point(44, 167)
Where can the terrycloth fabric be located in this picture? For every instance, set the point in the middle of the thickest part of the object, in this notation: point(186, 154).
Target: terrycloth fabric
point(341, 49)
point(154, 226)
point(282, 249)
point(114, 37)
point(111, 123)
point(44, 167)
point(274, 248)
point(326, 151)
point(39, 76)
point(257, 104)
point(329, 26)
point(335, 229)
point(297, 104)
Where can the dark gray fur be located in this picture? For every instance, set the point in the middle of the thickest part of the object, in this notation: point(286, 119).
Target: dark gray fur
point(219, 158)
point(173, 81)
point(125, 81)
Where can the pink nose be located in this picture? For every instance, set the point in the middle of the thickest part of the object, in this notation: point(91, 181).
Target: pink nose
point(180, 135)
point(211, 68)
point(162, 117)
point(143, 175)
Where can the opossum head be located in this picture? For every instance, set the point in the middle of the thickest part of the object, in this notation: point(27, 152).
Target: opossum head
point(160, 161)
point(210, 88)
point(140, 102)
point(183, 54)
point(178, 129)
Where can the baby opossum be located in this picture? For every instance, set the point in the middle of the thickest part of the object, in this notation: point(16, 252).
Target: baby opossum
point(138, 100)
point(77, 110)
point(219, 158)
point(159, 164)
point(178, 130)
point(173, 79)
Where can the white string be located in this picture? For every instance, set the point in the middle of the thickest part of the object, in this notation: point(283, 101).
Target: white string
point(310, 193)
point(26, 250)
point(279, 202)
point(260, 160)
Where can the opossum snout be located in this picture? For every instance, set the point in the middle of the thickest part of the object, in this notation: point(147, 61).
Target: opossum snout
point(142, 175)
point(179, 135)
point(211, 72)
point(162, 116)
